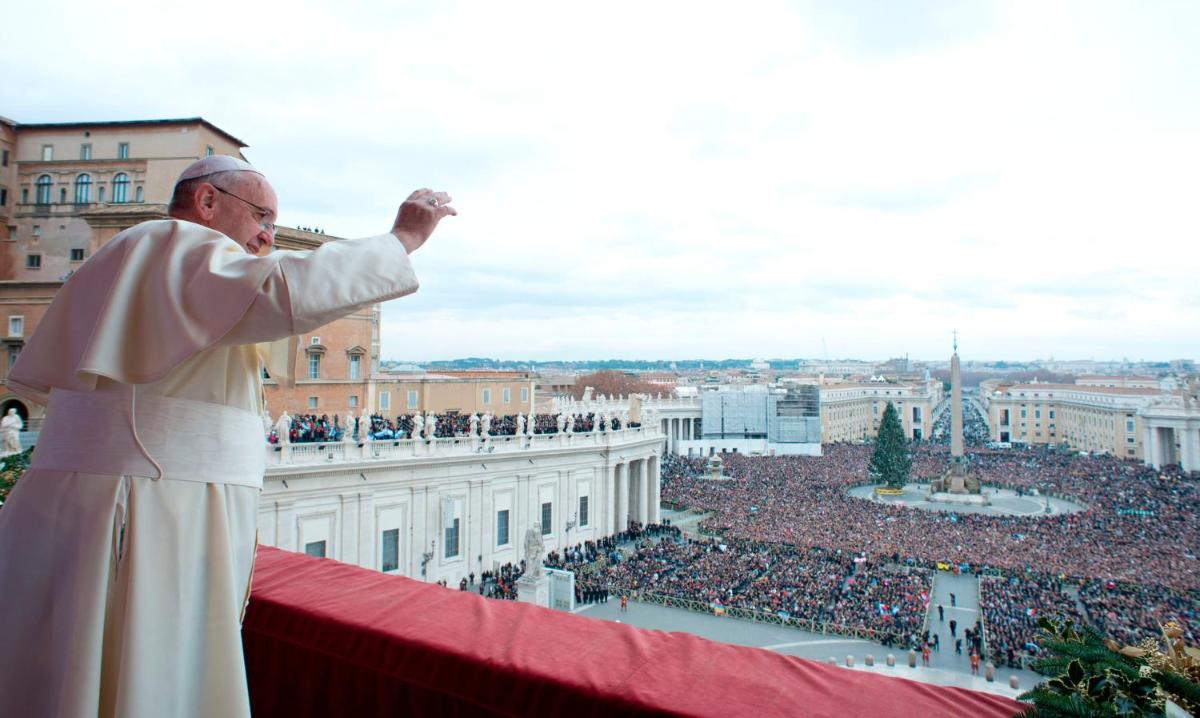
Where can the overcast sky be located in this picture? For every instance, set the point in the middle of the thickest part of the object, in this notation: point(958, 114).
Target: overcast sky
point(675, 180)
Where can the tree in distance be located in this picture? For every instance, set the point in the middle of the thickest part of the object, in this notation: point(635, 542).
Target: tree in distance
point(890, 464)
point(615, 383)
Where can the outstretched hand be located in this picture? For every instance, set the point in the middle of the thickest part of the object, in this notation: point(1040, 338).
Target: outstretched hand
point(419, 216)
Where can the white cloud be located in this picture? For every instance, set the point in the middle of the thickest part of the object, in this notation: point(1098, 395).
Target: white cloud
point(693, 179)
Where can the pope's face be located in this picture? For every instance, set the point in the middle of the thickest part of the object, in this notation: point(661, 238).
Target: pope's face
point(246, 212)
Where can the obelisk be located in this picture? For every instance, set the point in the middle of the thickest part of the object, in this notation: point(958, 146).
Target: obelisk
point(957, 461)
point(956, 418)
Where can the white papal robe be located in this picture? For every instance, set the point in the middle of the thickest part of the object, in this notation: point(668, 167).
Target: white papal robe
point(126, 551)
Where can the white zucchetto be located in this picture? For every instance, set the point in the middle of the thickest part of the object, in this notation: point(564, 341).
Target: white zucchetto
point(214, 164)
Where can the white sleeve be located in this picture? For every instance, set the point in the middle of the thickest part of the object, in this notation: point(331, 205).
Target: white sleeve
point(310, 289)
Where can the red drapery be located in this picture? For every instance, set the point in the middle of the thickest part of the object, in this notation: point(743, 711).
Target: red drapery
point(324, 638)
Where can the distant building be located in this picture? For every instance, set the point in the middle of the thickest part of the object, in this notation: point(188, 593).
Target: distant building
point(1130, 381)
point(757, 419)
point(852, 411)
point(847, 367)
point(499, 393)
point(66, 189)
point(1093, 417)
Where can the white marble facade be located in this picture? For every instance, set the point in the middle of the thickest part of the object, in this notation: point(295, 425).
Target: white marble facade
point(442, 511)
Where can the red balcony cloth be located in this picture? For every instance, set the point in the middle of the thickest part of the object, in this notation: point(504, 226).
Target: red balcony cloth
point(324, 638)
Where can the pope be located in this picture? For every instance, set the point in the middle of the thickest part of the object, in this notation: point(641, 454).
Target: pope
point(128, 546)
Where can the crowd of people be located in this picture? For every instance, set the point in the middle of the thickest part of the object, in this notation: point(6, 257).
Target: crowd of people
point(812, 588)
point(975, 429)
point(1138, 524)
point(308, 428)
point(1011, 606)
point(1128, 556)
point(789, 541)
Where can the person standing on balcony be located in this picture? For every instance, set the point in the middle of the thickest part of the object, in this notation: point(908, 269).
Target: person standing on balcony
point(129, 543)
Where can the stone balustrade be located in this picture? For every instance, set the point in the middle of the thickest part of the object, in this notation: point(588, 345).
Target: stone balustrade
point(399, 449)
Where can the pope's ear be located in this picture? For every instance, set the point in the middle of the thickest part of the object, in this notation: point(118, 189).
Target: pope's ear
point(206, 200)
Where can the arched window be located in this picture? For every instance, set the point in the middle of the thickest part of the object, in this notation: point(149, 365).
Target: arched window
point(43, 189)
point(83, 189)
point(120, 188)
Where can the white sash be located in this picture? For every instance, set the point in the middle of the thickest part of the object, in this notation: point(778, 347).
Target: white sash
point(127, 433)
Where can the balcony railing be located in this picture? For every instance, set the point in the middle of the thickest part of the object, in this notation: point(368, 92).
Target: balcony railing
point(401, 449)
point(326, 638)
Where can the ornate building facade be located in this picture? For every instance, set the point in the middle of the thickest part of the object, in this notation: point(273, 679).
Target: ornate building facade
point(446, 508)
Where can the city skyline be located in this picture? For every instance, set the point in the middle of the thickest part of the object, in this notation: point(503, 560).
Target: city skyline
point(969, 362)
point(799, 181)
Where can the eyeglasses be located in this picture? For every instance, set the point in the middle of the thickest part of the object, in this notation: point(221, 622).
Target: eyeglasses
point(263, 211)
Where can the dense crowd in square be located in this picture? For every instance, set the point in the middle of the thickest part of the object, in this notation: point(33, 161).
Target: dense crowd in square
point(1126, 562)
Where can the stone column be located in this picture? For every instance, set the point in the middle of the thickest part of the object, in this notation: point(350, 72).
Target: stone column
point(631, 472)
point(1191, 449)
point(345, 547)
point(366, 531)
point(655, 490)
point(622, 496)
point(285, 525)
point(614, 510)
point(1153, 457)
point(643, 491)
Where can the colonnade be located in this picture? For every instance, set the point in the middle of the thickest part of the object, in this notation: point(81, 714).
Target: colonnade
point(636, 486)
point(1173, 443)
point(680, 429)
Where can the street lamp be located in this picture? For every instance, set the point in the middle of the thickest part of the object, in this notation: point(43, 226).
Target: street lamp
point(426, 557)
